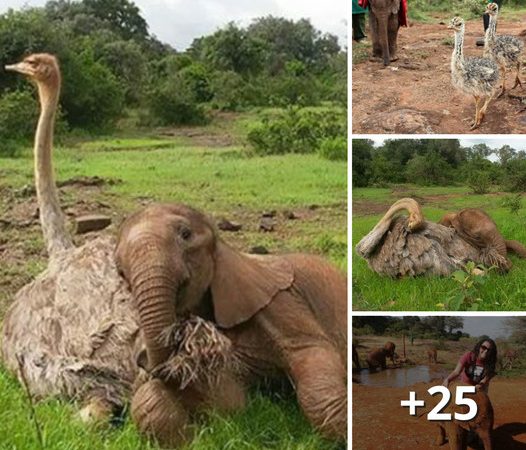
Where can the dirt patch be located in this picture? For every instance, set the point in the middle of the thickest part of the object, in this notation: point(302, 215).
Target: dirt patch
point(415, 94)
point(201, 138)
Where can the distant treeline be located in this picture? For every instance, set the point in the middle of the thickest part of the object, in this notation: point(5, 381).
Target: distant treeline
point(437, 162)
point(435, 327)
point(112, 64)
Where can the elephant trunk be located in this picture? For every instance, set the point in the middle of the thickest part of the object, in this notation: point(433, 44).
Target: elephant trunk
point(155, 284)
point(384, 38)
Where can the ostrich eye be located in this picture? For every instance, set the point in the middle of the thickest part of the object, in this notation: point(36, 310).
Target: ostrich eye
point(185, 233)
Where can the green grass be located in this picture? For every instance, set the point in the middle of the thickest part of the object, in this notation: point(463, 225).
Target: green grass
point(221, 181)
point(373, 292)
point(267, 423)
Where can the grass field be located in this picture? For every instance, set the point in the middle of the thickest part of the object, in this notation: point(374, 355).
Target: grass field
point(373, 292)
point(208, 168)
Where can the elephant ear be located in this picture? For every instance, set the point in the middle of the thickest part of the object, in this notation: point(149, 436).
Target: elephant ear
point(244, 284)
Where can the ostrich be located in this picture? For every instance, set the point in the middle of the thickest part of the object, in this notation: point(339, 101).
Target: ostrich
point(475, 76)
point(399, 246)
point(73, 331)
point(504, 50)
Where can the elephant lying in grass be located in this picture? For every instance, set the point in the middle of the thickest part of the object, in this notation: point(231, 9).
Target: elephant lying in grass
point(284, 315)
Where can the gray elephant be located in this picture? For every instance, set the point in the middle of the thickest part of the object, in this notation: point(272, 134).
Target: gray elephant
point(286, 316)
point(385, 18)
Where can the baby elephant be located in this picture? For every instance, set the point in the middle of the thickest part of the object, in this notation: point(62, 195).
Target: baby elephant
point(390, 349)
point(431, 355)
point(377, 359)
point(457, 432)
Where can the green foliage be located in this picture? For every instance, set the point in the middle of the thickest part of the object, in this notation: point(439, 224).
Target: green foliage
point(513, 203)
point(297, 130)
point(514, 177)
point(467, 296)
point(174, 103)
point(479, 182)
point(334, 148)
point(18, 115)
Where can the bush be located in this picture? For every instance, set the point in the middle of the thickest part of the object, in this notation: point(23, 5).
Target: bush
point(479, 182)
point(298, 130)
point(18, 117)
point(334, 149)
point(174, 103)
point(513, 203)
point(515, 176)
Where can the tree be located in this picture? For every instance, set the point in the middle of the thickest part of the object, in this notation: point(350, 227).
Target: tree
point(361, 161)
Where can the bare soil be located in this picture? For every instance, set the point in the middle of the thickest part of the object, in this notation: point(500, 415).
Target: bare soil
point(414, 95)
point(379, 422)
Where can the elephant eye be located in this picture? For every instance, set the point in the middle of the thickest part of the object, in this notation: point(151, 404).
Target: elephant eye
point(185, 233)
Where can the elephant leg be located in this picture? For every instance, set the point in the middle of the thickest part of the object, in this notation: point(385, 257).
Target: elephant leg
point(441, 438)
point(485, 437)
point(392, 32)
point(158, 412)
point(226, 395)
point(319, 376)
point(377, 48)
point(456, 437)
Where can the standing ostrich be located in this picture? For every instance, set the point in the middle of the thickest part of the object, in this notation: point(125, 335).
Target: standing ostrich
point(475, 76)
point(73, 330)
point(504, 50)
point(399, 246)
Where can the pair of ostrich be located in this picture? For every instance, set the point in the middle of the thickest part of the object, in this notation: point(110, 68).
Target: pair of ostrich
point(480, 76)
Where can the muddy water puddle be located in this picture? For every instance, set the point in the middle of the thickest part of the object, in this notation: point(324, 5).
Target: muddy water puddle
point(399, 377)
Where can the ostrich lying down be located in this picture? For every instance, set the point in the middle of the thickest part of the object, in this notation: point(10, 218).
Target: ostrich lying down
point(410, 246)
point(74, 331)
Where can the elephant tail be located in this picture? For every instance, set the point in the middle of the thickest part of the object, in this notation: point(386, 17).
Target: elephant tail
point(517, 248)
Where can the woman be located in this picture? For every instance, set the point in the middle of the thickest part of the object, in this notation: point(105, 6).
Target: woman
point(476, 367)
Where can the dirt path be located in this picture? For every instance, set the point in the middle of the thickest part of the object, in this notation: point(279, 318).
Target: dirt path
point(415, 95)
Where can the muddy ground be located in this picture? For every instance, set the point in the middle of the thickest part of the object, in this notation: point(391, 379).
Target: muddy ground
point(414, 95)
point(379, 422)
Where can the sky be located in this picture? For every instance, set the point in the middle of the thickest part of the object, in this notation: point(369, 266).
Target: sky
point(178, 22)
point(494, 327)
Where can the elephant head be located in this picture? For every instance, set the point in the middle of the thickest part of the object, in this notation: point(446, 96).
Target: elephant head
point(384, 28)
point(176, 264)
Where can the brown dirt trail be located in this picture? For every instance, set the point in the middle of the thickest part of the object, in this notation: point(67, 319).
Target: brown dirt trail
point(414, 95)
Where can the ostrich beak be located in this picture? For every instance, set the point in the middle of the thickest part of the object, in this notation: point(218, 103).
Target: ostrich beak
point(21, 67)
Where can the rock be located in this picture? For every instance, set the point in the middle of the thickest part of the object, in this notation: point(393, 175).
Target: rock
point(94, 222)
point(290, 215)
point(259, 250)
point(226, 225)
point(266, 224)
point(403, 121)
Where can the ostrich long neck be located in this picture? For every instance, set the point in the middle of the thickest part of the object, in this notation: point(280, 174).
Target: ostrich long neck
point(491, 32)
point(367, 245)
point(53, 224)
point(458, 51)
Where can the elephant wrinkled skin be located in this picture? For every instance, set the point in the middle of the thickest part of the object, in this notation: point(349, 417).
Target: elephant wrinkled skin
point(457, 432)
point(284, 315)
point(384, 22)
point(478, 228)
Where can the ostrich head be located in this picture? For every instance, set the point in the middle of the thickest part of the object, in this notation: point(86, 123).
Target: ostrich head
point(492, 9)
point(456, 24)
point(41, 68)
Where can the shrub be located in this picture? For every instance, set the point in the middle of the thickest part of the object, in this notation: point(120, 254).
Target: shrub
point(173, 102)
point(515, 176)
point(334, 149)
point(298, 130)
point(513, 203)
point(18, 116)
point(479, 182)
